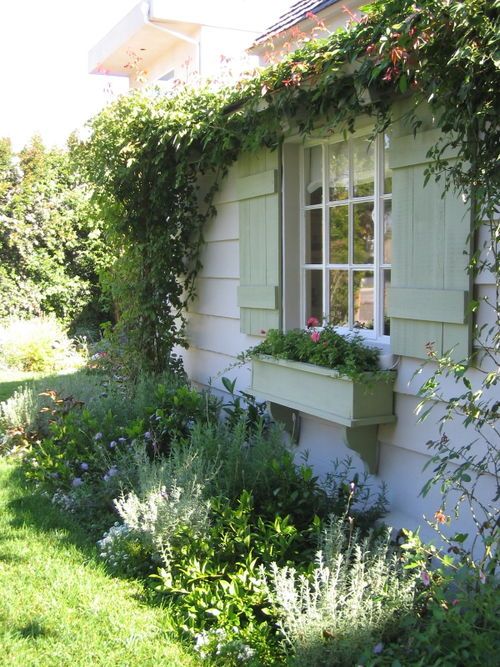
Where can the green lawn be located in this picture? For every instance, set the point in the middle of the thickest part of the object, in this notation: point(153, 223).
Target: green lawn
point(57, 604)
point(11, 380)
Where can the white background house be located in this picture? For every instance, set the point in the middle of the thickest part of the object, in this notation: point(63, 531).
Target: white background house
point(278, 239)
point(164, 40)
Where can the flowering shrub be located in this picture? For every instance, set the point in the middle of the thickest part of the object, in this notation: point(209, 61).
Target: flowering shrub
point(326, 347)
point(123, 552)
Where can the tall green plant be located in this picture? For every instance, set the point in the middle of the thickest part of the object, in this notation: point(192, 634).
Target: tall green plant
point(51, 243)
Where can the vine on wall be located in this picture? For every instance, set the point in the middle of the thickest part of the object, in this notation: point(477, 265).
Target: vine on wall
point(157, 161)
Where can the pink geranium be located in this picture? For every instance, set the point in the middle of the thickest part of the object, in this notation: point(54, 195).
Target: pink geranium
point(312, 322)
point(315, 336)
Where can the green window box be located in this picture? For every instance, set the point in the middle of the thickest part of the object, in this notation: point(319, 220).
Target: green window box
point(357, 405)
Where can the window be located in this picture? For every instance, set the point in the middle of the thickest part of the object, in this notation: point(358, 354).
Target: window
point(166, 82)
point(346, 233)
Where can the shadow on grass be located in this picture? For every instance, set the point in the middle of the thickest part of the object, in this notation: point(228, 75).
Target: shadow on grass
point(7, 388)
point(12, 382)
point(37, 512)
point(33, 630)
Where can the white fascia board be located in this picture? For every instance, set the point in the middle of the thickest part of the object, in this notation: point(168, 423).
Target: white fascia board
point(116, 38)
point(241, 15)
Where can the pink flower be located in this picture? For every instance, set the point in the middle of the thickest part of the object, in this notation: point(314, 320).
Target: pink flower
point(312, 322)
point(426, 580)
point(315, 336)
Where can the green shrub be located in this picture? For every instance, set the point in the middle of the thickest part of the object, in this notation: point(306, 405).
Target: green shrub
point(37, 345)
point(214, 581)
point(455, 618)
point(458, 624)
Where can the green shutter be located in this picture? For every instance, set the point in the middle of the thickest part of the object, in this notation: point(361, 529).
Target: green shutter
point(430, 287)
point(259, 214)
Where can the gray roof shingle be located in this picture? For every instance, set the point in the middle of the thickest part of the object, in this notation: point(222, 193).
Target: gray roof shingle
point(294, 15)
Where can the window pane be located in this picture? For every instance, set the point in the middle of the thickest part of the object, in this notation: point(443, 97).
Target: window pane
point(387, 209)
point(339, 171)
point(363, 233)
point(313, 171)
point(314, 295)
point(339, 298)
point(363, 167)
point(363, 294)
point(314, 237)
point(339, 225)
point(387, 321)
point(387, 171)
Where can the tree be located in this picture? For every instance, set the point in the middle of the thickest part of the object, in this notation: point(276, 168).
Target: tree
point(51, 243)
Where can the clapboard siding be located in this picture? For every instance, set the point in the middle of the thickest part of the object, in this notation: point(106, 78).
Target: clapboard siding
point(216, 297)
point(218, 334)
point(224, 226)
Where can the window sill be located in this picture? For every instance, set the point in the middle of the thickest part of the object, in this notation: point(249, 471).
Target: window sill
point(358, 406)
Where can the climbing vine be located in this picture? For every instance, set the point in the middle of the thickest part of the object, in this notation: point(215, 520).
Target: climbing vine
point(157, 161)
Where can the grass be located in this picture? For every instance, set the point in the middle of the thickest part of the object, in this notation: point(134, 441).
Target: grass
point(11, 380)
point(58, 605)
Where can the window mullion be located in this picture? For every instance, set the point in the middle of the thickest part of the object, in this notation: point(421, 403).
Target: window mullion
point(350, 241)
point(377, 259)
point(302, 238)
point(326, 233)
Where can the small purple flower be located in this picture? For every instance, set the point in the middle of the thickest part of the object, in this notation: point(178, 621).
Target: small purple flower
point(378, 648)
point(78, 481)
point(98, 436)
point(352, 486)
point(122, 439)
point(148, 435)
point(112, 444)
point(426, 580)
point(84, 466)
point(113, 471)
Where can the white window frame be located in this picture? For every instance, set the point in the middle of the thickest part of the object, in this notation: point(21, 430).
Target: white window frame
point(378, 266)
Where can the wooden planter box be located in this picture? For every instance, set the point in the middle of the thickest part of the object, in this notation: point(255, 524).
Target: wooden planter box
point(359, 406)
point(323, 392)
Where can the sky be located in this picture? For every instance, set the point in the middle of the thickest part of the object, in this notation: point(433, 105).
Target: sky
point(45, 85)
point(44, 45)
